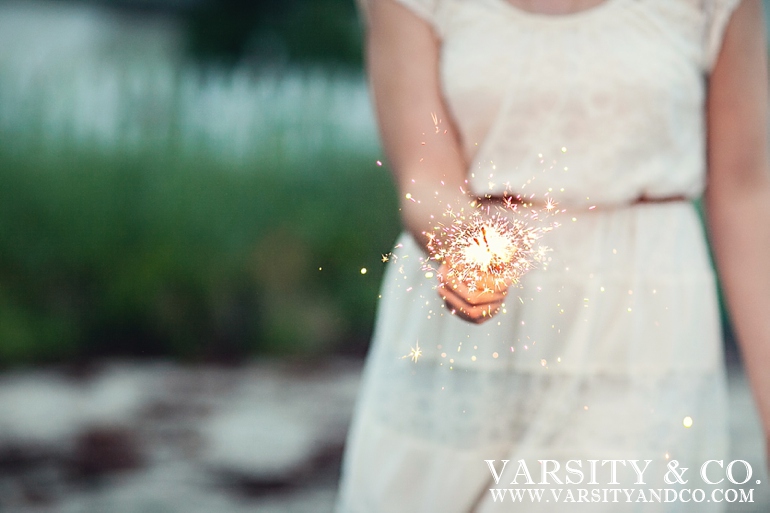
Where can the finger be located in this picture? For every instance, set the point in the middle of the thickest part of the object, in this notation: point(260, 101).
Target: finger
point(475, 297)
point(474, 316)
point(472, 313)
point(484, 292)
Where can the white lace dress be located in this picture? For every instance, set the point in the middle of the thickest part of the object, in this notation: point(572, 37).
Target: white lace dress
point(610, 349)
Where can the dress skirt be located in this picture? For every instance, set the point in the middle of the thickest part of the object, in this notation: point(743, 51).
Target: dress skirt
point(612, 350)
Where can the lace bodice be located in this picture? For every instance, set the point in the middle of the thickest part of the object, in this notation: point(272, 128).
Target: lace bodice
point(600, 107)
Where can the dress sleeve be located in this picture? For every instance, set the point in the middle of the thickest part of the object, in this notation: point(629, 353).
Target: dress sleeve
point(717, 14)
point(425, 9)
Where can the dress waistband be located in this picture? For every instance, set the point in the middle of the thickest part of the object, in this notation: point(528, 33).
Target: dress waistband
point(641, 200)
point(667, 199)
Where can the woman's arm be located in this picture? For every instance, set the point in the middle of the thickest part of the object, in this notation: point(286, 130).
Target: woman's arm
point(738, 194)
point(421, 144)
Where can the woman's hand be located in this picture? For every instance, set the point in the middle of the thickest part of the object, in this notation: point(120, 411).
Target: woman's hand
point(475, 306)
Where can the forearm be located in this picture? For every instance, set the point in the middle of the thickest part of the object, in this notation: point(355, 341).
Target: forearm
point(424, 206)
point(738, 193)
point(739, 220)
point(421, 144)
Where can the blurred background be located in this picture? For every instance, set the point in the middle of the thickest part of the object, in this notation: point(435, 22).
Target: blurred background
point(192, 218)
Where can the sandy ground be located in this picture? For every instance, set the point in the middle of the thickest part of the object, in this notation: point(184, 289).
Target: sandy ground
point(160, 437)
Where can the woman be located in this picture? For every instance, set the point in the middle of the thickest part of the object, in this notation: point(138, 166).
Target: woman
point(613, 351)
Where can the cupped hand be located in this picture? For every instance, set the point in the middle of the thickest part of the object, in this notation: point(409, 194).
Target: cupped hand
point(475, 306)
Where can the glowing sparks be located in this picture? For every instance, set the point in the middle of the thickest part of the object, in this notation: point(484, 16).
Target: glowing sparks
point(491, 248)
point(687, 422)
point(415, 353)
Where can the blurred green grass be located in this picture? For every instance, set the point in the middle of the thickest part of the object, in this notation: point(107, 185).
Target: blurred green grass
point(180, 254)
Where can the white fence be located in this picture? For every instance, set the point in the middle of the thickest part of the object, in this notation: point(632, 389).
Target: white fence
point(77, 76)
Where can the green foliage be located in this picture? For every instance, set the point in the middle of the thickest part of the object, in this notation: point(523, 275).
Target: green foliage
point(279, 31)
point(161, 254)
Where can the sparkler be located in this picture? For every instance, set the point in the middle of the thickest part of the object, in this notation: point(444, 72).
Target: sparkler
point(491, 247)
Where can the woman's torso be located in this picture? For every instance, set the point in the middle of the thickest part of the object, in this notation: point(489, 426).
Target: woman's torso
point(600, 106)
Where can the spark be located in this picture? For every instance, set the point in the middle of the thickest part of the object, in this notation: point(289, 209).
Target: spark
point(415, 353)
point(491, 248)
